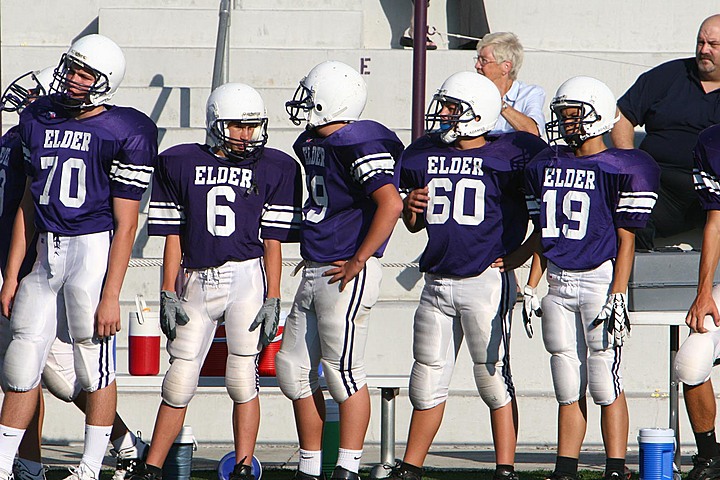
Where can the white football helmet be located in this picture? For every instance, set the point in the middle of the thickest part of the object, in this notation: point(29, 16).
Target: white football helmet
point(99, 55)
point(25, 88)
point(331, 92)
point(236, 103)
point(592, 111)
point(477, 104)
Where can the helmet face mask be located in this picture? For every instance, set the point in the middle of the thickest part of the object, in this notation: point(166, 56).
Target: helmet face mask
point(236, 121)
point(22, 91)
point(63, 85)
point(448, 116)
point(569, 121)
point(301, 104)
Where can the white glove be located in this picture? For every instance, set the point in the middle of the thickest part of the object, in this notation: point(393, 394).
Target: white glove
point(531, 306)
point(269, 317)
point(171, 313)
point(615, 317)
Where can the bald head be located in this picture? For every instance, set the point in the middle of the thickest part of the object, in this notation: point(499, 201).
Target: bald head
point(707, 51)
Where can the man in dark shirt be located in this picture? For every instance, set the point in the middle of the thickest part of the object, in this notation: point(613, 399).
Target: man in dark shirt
point(674, 101)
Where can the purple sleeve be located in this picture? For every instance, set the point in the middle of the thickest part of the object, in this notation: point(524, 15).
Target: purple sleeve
point(638, 186)
point(707, 166)
point(166, 214)
point(371, 164)
point(131, 170)
point(532, 193)
point(282, 215)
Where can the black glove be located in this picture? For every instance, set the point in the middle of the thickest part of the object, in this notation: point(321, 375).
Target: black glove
point(269, 317)
point(171, 313)
point(531, 306)
point(615, 317)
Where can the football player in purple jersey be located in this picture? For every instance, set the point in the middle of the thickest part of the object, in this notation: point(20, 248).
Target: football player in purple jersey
point(466, 190)
point(237, 200)
point(89, 163)
point(59, 373)
point(587, 200)
point(700, 351)
point(353, 206)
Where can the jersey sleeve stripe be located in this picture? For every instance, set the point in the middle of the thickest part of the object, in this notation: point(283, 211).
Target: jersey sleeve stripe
point(370, 165)
point(706, 181)
point(130, 174)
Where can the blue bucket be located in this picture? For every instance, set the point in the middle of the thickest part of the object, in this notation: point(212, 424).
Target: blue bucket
point(657, 452)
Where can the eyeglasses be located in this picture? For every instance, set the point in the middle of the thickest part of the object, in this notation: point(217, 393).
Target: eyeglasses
point(483, 61)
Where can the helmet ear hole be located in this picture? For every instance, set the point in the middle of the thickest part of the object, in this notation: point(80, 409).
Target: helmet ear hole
point(319, 107)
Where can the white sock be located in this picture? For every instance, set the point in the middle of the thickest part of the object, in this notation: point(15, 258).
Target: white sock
point(96, 442)
point(124, 441)
point(33, 468)
point(310, 462)
point(11, 438)
point(349, 459)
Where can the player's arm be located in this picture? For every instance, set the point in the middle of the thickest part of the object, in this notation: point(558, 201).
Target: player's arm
point(624, 260)
point(107, 317)
point(520, 255)
point(710, 255)
point(623, 133)
point(273, 266)
point(23, 231)
point(414, 206)
point(537, 268)
point(390, 207)
point(172, 259)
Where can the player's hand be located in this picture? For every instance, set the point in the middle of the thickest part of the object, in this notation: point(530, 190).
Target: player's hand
point(703, 306)
point(417, 200)
point(344, 272)
point(107, 317)
point(507, 263)
point(171, 314)
point(7, 297)
point(269, 317)
point(615, 317)
point(531, 306)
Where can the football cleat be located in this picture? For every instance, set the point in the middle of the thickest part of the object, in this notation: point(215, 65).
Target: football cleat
point(341, 473)
point(505, 475)
point(704, 469)
point(242, 472)
point(306, 476)
point(21, 472)
point(400, 470)
point(561, 476)
point(81, 472)
point(129, 459)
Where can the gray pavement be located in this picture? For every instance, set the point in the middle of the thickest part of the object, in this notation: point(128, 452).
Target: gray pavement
point(441, 457)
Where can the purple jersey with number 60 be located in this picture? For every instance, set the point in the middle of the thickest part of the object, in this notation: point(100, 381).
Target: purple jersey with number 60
point(12, 186)
point(707, 168)
point(342, 171)
point(223, 209)
point(78, 165)
point(580, 202)
point(477, 210)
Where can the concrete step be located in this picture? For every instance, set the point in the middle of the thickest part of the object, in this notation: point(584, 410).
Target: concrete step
point(352, 5)
point(194, 28)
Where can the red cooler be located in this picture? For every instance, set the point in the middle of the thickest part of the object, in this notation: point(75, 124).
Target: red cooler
point(216, 359)
point(144, 340)
point(266, 360)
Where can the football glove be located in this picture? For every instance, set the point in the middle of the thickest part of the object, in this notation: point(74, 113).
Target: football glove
point(269, 317)
point(615, 317)
point(531, 306)
point(171, 313)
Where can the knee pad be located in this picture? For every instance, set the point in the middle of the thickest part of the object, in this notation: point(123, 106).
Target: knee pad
point(694, 360)
point(604, 375)
point(180, 383)
point(23, 364)
point(61, 383)
point(569, 378)
point(427, 389)
point(342, 384)
point(241, 378)
point(494, 383)
point(294, 380)
point(94, 362)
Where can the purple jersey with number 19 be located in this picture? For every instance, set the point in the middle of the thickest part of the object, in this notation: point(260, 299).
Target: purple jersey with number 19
point(78, 166)
point(580, 202)
point(477, 210)
point(342, 171)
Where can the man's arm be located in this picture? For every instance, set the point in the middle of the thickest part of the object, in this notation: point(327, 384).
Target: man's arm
point(273, 267)
point(623, 133)
point(414, 207)
point(107, 317)
point(23, 231)
point(624, 260)
point(704, 304)
point(390, 207)
point(172, 259)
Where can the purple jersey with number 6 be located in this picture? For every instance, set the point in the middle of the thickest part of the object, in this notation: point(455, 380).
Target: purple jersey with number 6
point(477, 210)
point(707, 168)
point(580, 202)
point(223, 209)
point(78, 165)
point(342, 171)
